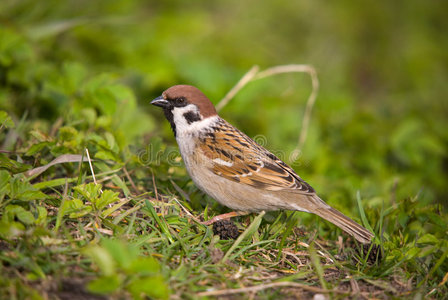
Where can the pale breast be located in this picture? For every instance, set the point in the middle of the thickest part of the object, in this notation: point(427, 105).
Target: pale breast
point(228, 193)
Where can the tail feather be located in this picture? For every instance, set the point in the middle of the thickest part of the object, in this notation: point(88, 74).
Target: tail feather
point(345, 223)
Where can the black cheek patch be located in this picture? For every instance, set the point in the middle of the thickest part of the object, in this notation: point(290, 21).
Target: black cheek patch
point(191, 117)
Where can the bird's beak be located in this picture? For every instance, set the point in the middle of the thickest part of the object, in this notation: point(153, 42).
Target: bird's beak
point(159, 101)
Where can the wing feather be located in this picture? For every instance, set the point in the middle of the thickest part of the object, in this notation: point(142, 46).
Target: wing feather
point(237, 157)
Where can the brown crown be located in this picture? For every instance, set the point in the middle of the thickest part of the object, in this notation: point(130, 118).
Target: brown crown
point(193, 96)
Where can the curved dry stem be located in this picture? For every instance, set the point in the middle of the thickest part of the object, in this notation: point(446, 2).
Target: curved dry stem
point(237, 87)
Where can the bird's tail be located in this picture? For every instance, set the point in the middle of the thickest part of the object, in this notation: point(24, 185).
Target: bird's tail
point(345, 223)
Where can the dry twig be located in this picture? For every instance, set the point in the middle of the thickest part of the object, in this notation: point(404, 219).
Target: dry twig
point(261, 287)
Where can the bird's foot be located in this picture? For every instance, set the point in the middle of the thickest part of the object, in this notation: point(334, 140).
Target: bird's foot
point(224, 217)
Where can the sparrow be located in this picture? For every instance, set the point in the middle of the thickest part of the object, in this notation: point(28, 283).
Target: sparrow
point(236, 171)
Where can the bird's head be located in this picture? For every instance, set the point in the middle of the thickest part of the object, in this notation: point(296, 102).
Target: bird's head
point(183, 106)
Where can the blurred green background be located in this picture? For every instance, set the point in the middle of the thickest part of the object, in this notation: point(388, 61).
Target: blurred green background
point(379, 125)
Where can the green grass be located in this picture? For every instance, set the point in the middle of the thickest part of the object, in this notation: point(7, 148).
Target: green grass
point(116, 238)
point(125, 224)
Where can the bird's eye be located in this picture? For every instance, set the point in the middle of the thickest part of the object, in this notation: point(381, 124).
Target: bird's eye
point(180, 100)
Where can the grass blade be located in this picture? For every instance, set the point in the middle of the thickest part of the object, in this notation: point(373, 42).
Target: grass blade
point(247, 233)
point(317, 266)
point(162, 224)
point(364, 220)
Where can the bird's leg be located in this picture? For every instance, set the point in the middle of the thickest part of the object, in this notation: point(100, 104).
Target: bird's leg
point(224, 217)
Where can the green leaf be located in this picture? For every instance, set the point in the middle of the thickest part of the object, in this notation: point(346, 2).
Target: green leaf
point(77, 208)
point(31, 195)
point(115, 179)
point(111, 143)
point(98, 92)
point(4, 183)
point(42, 215)
point(89, 115)
point(106, 154)
point(11, 165)
point(411, 253)
point(403, 218)
point(153, 287)
point(438, 220)
point(9, 229)
point(20, 189)
point(74, 74)
point(5, 120)
point(425, 251)
point(145, 266)
point(52, 183)
point(25, 217)
point(105, 284)
point(40, 136)
point(89, 191)
point(102, 258)
point(67, 133)
point(115, 207)
point(122, 252)
point(106, 198)
point(18, 211)
point(13, 47)
point(38, 147)
point(428, 239)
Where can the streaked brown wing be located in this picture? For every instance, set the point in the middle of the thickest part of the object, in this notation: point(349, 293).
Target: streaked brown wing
point(237, 157)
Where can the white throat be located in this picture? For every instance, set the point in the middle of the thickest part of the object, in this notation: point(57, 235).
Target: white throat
point(184, 127)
